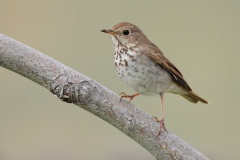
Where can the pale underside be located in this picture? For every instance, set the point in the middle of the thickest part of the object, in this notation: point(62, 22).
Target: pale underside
point(144, 75)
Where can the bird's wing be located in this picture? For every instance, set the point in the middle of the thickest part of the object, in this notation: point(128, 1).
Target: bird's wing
point(156, 55)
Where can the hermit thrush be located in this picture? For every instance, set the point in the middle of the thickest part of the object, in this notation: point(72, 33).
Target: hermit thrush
point(144, 68)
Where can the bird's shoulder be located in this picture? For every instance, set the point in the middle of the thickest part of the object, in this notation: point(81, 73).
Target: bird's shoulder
point(154, 53)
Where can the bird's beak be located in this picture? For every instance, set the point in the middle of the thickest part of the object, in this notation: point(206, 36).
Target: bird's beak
point(109, 31)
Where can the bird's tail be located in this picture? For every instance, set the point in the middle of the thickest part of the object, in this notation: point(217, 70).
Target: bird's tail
point(194, 98)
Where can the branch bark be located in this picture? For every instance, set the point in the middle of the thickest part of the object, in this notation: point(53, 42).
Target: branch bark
point(73, 87)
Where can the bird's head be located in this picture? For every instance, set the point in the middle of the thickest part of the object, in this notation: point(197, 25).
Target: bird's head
point(126, 34)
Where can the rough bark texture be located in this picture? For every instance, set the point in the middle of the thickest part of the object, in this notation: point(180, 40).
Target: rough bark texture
point(73, 87)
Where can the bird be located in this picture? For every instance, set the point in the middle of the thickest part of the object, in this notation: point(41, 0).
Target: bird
point(144, 68)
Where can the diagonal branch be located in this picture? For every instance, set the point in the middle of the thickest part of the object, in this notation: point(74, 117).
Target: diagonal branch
point(74, 87)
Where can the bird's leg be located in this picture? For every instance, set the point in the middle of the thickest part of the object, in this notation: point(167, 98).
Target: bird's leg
point(161, 121)
point(130, 97)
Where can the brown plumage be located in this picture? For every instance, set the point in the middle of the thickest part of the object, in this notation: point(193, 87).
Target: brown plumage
point(163, 61)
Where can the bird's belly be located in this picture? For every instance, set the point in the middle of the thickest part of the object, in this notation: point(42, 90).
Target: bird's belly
point(143, 75)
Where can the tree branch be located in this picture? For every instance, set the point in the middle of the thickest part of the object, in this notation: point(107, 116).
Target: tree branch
point(73, 87)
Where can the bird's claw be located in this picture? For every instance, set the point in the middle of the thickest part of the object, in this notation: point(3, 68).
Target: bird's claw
point(130, 97)
point(162, 125)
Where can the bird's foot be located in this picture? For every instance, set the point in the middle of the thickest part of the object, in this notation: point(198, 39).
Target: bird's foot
point(162, 125)
point(130, 97)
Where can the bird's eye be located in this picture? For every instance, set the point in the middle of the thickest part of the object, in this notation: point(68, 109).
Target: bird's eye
point(126, 32)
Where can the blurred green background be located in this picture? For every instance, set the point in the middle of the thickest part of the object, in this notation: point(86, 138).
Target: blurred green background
point(202, 38)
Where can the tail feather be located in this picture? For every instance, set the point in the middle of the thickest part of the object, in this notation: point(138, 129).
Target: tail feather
point(194, 98)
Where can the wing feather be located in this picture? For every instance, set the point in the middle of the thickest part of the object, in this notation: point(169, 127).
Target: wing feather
point(156, 54)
